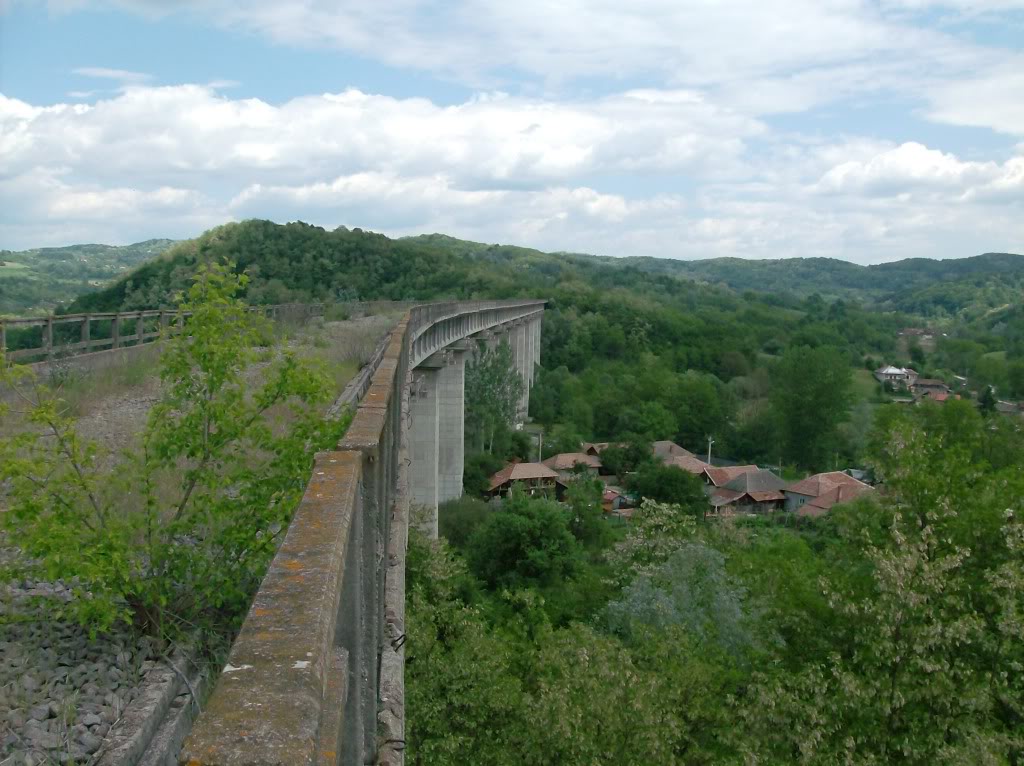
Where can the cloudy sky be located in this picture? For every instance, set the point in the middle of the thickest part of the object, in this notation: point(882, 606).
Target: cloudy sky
point(868, 130)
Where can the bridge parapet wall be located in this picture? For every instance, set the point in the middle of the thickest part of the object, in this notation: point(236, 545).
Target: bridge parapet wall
point(316, 673)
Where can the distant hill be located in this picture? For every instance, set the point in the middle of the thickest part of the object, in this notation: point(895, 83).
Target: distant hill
point(297, 261)
point(40, 280)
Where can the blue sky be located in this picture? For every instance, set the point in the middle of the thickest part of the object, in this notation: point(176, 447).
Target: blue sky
point(868, 131)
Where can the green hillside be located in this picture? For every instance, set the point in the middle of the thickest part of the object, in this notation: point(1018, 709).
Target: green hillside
point(35, 281)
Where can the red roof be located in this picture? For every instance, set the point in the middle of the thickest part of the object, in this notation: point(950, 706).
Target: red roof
point(666, 449)
point(843, 493)
point(721, 476)
point(691, 464)
point(821, 483)
point(565, 461)
point(521, 472)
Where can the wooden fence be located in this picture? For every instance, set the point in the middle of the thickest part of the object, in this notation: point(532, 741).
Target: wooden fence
point(74, 334)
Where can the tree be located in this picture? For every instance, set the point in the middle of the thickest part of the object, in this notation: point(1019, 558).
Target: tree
point(811, 392)
point(527, 542)
point(182, 530)
point(493, 389)
point(987, 401)
point(668, 484)
point(692, 590)
point(626, 456)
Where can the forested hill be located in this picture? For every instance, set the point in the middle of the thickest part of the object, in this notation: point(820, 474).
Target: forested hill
point(34, 281)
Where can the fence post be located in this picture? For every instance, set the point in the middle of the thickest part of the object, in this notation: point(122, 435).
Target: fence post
point(140, 331)
point(86, 332)
point(3, 336)
point(48, 337)
point(115, 331)
point(164, 321)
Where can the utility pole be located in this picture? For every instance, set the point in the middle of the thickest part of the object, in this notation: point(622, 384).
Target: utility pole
point(540, 446)
point(710, 442)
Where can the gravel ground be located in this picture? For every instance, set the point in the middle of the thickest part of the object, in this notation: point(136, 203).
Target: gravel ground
point(60, 691)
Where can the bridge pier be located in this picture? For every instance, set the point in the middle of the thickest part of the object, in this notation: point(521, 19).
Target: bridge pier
point(424, 437)
point(316, 673)
point(452, 417)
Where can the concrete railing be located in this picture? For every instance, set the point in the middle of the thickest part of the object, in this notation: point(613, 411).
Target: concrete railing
point(126, 328)
point(316, 673)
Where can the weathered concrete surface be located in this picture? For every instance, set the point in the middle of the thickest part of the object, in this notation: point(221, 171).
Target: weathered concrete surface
point(267, 707)
point(266, 711)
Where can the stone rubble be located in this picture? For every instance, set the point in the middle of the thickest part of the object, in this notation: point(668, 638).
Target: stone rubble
point(60, 691)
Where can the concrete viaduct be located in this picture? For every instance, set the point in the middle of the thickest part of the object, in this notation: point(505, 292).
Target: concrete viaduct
point(316, 673)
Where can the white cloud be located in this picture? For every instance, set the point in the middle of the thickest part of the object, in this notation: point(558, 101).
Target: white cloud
point(912, 166)
point(172, 161)
point(104, 73)
point(994, 99)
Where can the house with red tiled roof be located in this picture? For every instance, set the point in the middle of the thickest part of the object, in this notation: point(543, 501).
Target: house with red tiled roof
point(665, 450)
point(532, 478)
point(719, 477)
point(615, 501)
point(928, 387)
point(566, 464)
point(801, 492)
point(689, 464)
point(840, 494)
point(757, 491)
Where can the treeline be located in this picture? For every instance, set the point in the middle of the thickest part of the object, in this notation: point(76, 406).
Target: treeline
point(885, 632)
point(625, 351)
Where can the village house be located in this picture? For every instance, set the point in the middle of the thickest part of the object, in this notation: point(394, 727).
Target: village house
point(756, 491)
point(813, 487)
point(822, 504)
point(535, 479)
point(899, 377)
point(1010, 408)
point(928, 387)
point(718, 477)
point(595, 448)
point(569, 464)
point(690, 464)
point(665, 450)
point(615, 501)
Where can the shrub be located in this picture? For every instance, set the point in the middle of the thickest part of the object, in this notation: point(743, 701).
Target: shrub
point(181, 532)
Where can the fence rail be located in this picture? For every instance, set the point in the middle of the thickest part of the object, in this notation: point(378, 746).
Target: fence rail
point(123, 328)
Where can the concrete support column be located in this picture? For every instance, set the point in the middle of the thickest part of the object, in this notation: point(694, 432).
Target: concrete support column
point(423, 442)
point(519, 355)
point(451, 429)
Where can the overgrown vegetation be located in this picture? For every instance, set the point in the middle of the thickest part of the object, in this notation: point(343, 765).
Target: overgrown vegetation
point(180, 532)
point(886, 632)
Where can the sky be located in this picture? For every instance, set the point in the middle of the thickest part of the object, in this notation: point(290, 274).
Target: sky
point(867, 130)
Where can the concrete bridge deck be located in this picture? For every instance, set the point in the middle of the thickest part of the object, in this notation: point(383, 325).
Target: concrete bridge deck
point(316, 673)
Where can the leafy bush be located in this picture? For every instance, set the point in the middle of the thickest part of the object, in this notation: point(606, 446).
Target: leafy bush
point(181, 531)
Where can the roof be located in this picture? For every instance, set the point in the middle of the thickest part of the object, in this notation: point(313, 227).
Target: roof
point(565, 461)
point(598, 447)
point(929, 383)
point(820, 483)
point(758, 480)
point(890, 370)
point(666, 449)
point(521, 472)
point(610, 493)
point(691, 464)
point(843, 493)
point(723, 496)
point(722, 476)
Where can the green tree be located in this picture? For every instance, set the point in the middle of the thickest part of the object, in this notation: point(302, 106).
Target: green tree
point(668, 484)
point(492, 392)
point(811, 393)
point(987, 401)
point(527, 542)
point(182, 530)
